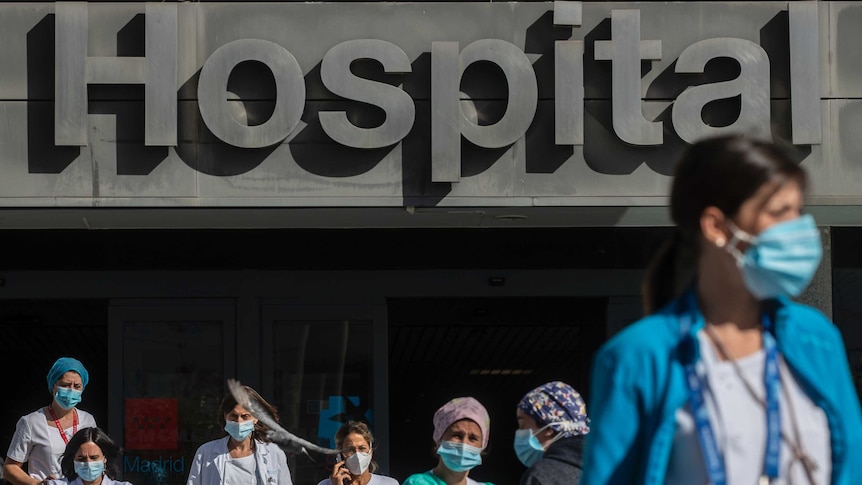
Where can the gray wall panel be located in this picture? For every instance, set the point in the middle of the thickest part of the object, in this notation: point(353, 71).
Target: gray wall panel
point(31, 166)
point(114, 167)
point(845, 39)
point(25, 34)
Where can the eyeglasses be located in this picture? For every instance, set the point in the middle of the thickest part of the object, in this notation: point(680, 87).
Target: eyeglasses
point(348, 452)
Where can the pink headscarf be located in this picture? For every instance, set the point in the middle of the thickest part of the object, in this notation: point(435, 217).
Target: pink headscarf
point(458, 409)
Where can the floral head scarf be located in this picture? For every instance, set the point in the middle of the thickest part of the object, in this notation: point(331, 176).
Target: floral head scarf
point(559, 405)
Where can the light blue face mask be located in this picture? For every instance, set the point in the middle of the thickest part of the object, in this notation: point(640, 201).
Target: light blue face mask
point(527, 447)
point(459, 457)
point(67, 398)
point(239, 431)
point(89, 470)
point(781, 260)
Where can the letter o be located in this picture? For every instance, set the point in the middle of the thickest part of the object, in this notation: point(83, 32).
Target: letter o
point(290, 93)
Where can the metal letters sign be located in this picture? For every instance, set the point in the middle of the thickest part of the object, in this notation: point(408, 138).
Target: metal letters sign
point(562, 103)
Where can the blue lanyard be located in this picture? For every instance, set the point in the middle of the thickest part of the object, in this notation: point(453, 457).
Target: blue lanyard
point(711, 454)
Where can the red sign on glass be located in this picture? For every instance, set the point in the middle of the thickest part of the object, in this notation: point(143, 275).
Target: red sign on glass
point(151, 424)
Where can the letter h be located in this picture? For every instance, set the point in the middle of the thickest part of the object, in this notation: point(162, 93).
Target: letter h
point(74, 70)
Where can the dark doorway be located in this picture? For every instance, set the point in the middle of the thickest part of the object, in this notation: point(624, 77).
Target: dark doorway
point(35, 333)
point(494, 349)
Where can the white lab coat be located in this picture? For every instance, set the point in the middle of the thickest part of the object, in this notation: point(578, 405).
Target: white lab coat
point(208, 467)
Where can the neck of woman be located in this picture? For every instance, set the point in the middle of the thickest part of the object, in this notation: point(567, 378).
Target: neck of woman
point(730, 310)
point(361, 479)
point(449, 476)
point(60, 412)
point(242, 448)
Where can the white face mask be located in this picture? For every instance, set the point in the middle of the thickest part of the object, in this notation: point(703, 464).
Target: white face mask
point(358, 462)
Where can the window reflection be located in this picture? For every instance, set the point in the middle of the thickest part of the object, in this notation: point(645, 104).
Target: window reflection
point(323, 377)
point(172, 386)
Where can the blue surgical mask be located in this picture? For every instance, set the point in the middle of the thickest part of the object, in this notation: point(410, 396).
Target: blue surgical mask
point(781, 260)
point(239, 431)
point(527, 447)
point(459, 457)
point(67, 398)
point(89, 470)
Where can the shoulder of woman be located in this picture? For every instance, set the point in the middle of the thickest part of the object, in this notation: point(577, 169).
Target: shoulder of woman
point(420, 479)
point(111, 481)
point(217, 445)
point(654, 335)
point(37, 415)
point(804, 321)
point(270, 447)
point(384, 480)
point(85, 415)
point(24, 421)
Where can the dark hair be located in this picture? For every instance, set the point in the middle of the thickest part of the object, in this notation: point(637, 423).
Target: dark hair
point(100, 439)
point(721, 172)
point(259, 433)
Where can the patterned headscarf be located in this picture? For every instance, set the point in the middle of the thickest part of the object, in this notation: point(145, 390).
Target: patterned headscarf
point(558, 404)
point(458, 409)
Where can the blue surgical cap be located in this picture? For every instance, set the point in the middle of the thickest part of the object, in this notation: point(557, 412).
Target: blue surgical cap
point(64, 365)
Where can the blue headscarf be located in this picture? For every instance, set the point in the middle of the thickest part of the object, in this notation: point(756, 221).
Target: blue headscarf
point(64, 365)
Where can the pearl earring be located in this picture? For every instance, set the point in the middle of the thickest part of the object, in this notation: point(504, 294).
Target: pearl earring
point(720, 242)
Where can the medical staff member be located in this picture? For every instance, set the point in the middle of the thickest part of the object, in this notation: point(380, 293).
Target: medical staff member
point(461, 428)
point(90, 458)
point(356, 465)
point(245, 456)
point(552, 424)
point(728, 380)
point(41, 437)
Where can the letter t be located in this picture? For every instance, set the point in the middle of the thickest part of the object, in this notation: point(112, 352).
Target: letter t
point(625, 51)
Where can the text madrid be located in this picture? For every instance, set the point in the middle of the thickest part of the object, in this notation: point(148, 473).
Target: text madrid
point(625, 51)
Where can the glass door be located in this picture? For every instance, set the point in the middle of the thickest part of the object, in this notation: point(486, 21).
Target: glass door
point(324, 365)
point(176, 356)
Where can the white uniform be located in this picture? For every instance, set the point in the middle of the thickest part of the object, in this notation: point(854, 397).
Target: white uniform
point(739, 423)
point(210, 466)
point(37, 442)
point(106, 480)
point(375, 480)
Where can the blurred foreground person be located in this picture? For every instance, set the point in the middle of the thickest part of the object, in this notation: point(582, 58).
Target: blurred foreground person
point(727, 380)
point(552, 422)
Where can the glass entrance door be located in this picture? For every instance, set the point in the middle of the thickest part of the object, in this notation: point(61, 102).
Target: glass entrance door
point(176, 356)
point(325, 365)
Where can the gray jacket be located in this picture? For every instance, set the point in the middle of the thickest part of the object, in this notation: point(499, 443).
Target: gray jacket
point(560, 465)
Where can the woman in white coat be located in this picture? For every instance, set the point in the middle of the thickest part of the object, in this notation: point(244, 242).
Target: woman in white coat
point(91, 458)
point(245, 456)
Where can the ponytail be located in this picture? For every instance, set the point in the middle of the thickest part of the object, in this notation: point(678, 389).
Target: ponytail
point(670, 271)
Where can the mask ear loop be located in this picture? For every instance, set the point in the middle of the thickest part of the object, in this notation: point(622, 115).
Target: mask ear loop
point(556, 438)
point(738, 236)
